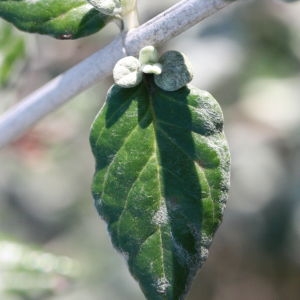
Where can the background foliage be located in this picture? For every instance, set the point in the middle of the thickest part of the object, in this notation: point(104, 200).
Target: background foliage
point(248, 58)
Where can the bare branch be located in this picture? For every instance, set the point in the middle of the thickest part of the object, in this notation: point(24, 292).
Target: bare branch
point(158, 30)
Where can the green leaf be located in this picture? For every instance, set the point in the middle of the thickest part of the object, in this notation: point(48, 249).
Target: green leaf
point(161, 181)
point(69, 19)
point(32, 273)
point(12, 49)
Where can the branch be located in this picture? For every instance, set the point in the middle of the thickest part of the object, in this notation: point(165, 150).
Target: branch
point(59, 90)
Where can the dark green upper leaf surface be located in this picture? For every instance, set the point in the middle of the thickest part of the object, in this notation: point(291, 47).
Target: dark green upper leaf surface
point(69, 19)
point(161, 181)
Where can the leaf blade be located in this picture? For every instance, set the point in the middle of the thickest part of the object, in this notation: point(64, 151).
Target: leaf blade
point(167, 182)
point(69, 19)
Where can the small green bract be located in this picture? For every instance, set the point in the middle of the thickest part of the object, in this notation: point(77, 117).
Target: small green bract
point(176, 71)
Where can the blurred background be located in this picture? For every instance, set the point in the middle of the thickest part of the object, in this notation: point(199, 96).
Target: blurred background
point(54, 246)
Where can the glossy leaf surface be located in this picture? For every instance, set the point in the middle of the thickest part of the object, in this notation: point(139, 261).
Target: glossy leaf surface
point(69, 19)
point(161, 181)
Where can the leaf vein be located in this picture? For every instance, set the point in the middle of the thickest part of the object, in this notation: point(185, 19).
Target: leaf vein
point(178, 102)
point(201, 168)
point(129, 191)
point(115, 156)
point(115, 112)
point(161, 200)
point(175, 143)
point(61, 15)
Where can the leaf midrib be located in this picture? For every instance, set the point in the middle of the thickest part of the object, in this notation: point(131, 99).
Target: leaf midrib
point(158, 166)
point(157, 128)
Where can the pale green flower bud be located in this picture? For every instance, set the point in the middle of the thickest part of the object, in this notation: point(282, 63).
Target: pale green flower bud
point(152, 69)
point(127, 72)
point(148, 55)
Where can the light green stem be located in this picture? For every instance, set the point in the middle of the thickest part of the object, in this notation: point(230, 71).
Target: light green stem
point(129, 14)
point(131, 20)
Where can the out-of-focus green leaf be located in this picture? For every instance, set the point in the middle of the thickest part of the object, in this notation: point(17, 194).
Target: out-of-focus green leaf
point(68, 19)
point(27, 271)
point(12, 48)
point(161, 181)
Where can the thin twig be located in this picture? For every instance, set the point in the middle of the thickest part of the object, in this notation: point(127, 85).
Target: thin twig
point(58, 91)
